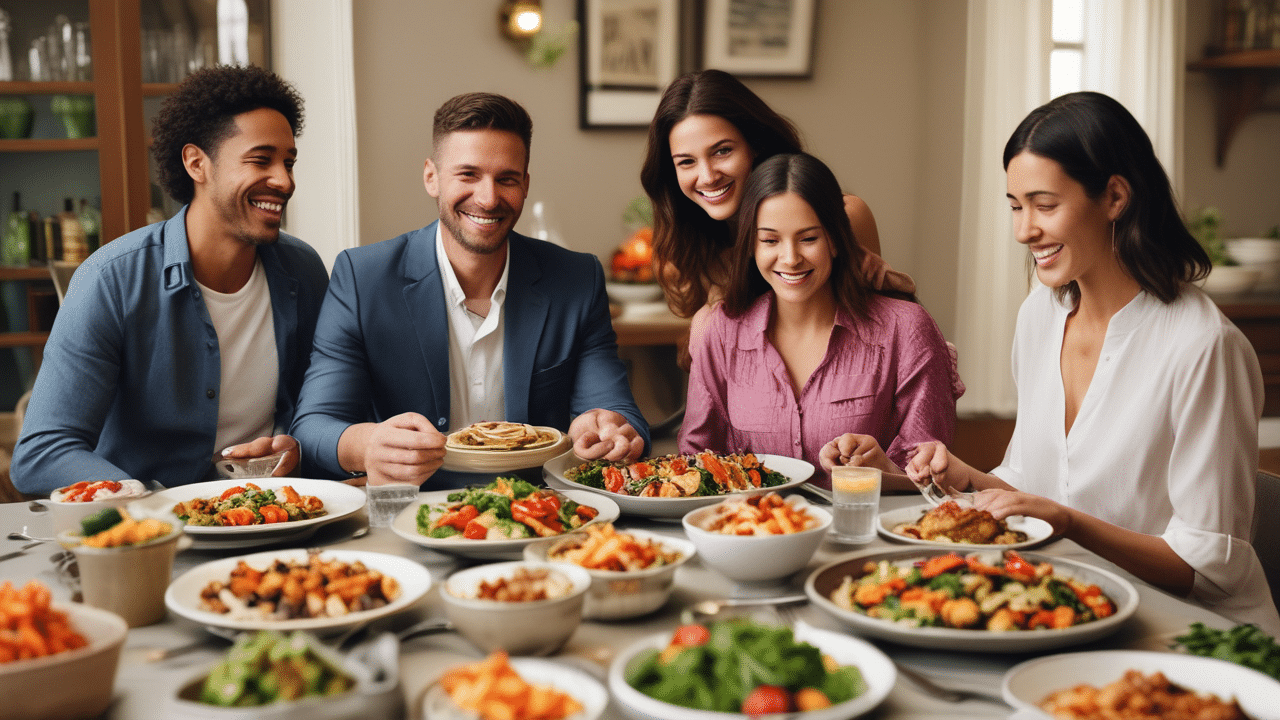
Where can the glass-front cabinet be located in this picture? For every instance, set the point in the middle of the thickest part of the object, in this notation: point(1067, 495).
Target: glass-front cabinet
point(80, 81)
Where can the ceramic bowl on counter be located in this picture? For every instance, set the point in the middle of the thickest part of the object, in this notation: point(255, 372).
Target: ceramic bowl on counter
point(66, 515)
point(1231, 279)
point(621, 292)
point(755, 558)
point(616, 594)
point(531, 627)
point(72, 684)
point(1254, 251)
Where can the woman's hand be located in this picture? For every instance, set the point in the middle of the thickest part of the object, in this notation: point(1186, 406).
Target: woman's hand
point(930, 463)
point(856, 450)
point(875, 270)
point(1003, 503)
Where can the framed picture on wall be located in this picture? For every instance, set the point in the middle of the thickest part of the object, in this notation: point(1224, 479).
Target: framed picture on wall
point(759, 37)
point(629, 51)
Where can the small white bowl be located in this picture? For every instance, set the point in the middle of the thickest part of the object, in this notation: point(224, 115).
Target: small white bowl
point(629, 593)
point(1254, 251)
point(756, 558)
point(66, 516)
point(633, 292)
point(73, 684)
point(1230, 279)
point(539, 627)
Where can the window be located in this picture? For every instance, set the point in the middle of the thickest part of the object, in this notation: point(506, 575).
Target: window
point(1066, 59)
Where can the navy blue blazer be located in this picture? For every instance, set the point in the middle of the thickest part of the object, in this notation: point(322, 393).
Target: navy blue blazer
point(382, 343)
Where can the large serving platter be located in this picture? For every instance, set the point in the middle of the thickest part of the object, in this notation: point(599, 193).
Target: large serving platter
point(827, 578)
point(797, 472)
point(183, 596)
point(406, 526)
point(1037, 530)
point(340, 500)
point(587, 690)
point(501, 461)
point(1027, 684)
point(877, 671)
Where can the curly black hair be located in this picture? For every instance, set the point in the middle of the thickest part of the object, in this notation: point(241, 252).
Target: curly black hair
point(202, 112)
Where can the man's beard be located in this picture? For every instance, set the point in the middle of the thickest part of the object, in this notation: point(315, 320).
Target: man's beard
point(453, 223)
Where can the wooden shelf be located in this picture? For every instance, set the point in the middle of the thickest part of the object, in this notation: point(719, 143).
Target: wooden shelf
point(27, 272)
point(23, 339)
point(46, 88)
point(1240, 81)
point(49, 144)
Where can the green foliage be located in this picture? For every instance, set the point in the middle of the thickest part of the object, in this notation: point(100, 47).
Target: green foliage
point(1204, 225)
point(1243, 644)
point(638, 213)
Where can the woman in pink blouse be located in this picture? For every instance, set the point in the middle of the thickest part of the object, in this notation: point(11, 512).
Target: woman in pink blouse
point(802, 353)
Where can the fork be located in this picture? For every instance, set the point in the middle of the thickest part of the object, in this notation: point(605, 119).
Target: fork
point(790, 615)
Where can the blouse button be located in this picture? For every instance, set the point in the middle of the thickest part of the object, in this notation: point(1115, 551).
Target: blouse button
point(210, 393)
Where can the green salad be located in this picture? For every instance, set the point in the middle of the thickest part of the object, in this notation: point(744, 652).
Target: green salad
point(267, 667)
point(506, 509)
point(1245, 645)
point(743, 666)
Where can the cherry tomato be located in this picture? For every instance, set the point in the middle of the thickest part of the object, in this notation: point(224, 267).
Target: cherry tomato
point(691, 635)
point(767, 699)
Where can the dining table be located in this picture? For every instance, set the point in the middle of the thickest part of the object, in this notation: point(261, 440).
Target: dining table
point(143, 685)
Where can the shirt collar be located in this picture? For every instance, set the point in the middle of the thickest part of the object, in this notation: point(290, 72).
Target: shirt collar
point(755, 322)
point(453, 289)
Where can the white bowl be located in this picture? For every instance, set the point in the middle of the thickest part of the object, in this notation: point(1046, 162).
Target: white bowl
point(877, 671)
point(1230, 279)
point(539, 627)
point(66, 516)
point(756, 558)
point(73, 684)
point(1254, 251)
point(1027, 684)
point(633, 292)
point(628, 593)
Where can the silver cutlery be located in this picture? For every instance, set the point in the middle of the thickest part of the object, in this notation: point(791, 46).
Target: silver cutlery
point(29, 538)
point(713, 607)
point(945, 694)
point(20, 551)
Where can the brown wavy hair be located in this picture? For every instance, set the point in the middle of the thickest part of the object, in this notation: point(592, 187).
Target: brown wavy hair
point(814, 182)
point(688, 245)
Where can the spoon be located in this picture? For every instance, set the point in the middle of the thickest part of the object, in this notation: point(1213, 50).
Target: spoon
point(29, 538)
point(711, 607)
point(37, 507)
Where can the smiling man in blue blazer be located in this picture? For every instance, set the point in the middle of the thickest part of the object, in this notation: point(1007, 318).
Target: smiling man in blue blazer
point(463, 321)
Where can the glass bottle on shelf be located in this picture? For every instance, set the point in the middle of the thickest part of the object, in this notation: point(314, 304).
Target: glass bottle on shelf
point(74, 246)
point(6, 60)
point(17, 236)
point(91, 223)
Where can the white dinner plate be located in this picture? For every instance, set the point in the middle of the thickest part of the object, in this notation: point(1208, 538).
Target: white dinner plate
point(340, 500)
point(406, 526)
point(501, 461)
point(436, 704)
point(1028, 683)
point(823, 581)
point(183, 596)
point(1037, 530)
point(797, 471)
point(877, 671)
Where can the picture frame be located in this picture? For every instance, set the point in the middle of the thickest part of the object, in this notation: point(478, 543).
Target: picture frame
point(629, 51)
point(759, 38)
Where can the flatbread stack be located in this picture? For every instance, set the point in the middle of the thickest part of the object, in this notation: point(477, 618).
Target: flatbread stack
point(496, 435)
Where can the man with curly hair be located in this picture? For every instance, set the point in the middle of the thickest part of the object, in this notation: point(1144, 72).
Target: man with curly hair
point(190, 335)
point(463, 321)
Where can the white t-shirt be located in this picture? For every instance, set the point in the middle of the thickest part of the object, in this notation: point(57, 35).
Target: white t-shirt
point(250, 365)
point(477, 390)
point(1165, 441)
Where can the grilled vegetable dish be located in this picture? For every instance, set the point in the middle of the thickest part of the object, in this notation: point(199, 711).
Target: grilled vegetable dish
point(702, 474)
point(980, 591)
point(505, 509)
point(250, 505)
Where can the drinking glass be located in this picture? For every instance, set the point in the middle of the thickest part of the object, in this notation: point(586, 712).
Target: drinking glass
point(387, 500)
point(855, 495)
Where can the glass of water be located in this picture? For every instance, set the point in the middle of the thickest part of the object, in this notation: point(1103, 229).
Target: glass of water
point(855, 493)
point(387, 500)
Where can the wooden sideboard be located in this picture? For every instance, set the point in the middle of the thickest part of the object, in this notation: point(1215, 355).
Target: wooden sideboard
point(1258, 317)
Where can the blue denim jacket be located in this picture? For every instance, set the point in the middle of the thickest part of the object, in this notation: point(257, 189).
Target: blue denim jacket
point(130, 380)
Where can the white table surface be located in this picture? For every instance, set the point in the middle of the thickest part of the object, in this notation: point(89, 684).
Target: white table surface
point(142, 687)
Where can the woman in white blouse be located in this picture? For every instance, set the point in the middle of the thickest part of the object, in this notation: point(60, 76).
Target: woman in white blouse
point(1138, 401)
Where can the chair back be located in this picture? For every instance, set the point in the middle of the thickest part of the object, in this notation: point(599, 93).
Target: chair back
point(61, 271)
point(1266, 529)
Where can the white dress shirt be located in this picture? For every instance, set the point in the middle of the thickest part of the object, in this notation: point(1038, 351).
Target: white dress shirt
point(477, 391)
point(1165, 441)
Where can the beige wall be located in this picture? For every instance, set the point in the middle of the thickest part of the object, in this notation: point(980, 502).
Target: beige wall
point(883, 108)
point(1247, 188)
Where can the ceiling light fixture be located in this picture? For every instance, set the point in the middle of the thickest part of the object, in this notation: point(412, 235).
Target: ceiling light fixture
point(520, 19)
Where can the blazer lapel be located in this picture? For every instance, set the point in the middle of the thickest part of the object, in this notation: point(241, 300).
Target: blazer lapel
point(424, 302)
point(526, 314)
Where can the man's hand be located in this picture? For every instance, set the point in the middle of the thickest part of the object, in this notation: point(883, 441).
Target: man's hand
point(605, 434)
point(265, 446)
point(404, 449)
